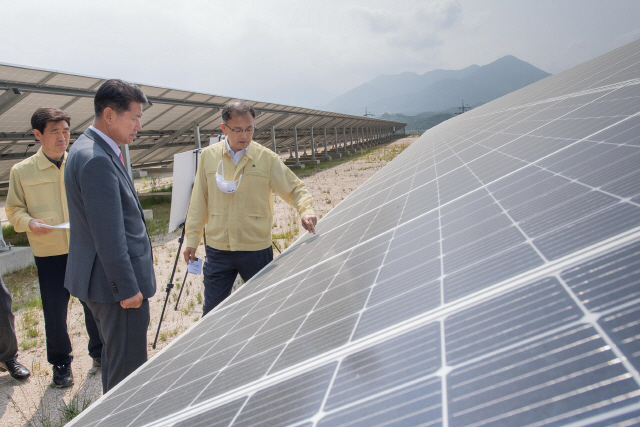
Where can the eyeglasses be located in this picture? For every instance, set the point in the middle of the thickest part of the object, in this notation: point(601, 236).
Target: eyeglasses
point(238, 130)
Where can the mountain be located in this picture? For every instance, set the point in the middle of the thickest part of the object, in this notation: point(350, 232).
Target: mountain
point(438, 90)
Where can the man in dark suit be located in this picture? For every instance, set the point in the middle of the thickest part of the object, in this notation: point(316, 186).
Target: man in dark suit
point(110, 265)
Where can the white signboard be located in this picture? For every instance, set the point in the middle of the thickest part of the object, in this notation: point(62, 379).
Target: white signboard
point(184, 175)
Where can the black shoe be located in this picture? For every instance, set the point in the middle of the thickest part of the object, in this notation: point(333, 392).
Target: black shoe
point(97, 362)
point(15, 369)
point(62, 376)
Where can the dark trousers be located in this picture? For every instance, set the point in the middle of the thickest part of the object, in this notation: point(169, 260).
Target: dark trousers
point(8, 341)
point(55, 302)
point(124, 334)
point(221, 269)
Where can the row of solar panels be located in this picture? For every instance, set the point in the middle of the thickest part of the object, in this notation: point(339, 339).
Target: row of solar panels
point(488, 276)
point(169, 122)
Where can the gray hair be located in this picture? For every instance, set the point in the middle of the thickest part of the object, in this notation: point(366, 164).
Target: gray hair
point(237, 107)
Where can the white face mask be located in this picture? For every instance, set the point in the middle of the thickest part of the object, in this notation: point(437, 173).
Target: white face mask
point(226, 186)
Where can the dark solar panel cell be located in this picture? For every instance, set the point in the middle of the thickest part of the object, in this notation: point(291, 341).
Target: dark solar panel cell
point(477, 251)
point(467, 205)
point(219, 416)
point(315, 343)
point(632, 418)
point(404, 306)
point(474, 233)
point(473, 152)
point(470, 220)
point(456, 184)
point(627, 186)
point(576, 160)
point(518, 181)
point(578, 235)
point(623, 326)
point(418, 404)
point(173, 400)
point(607, 159)
point(493, 166)
point(288, 402)
point(389, 364)
point(490, 271)
point(566, 157)
point(563, 378)
point(404, 270)
point(529, 194)
point(626, 165)
point(627, 132)
point(556, 215)
point(607, 281)
point(238, 374)
point(546, 200)
point(406, 280)
point(508, 319)
point(411, 243)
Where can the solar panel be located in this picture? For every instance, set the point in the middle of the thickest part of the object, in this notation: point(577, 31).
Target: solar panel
point(169, 119)
point(489, 275)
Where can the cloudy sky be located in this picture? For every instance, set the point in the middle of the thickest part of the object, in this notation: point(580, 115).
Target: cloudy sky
point(303, 52)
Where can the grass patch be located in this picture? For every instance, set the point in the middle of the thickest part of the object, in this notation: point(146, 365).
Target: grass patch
point(161, 210)
point(28, 343)
point(23, 287)
point(11, 236)
point(74, 407)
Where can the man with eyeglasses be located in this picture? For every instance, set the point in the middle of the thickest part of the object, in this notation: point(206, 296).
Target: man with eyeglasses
point(232, 197)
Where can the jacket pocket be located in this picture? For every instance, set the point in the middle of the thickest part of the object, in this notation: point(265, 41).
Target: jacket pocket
point(256, 228)
point(135, 249)
point(215, 228)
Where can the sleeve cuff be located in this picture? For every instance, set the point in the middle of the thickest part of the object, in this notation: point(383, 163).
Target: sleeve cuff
point(307, 211)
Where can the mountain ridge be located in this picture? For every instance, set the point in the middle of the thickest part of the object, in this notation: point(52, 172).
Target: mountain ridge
point(437, 90)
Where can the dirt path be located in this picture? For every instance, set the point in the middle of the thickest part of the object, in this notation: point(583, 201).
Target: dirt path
point(33, 401)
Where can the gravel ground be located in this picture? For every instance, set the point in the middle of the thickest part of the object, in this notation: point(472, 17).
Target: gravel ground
point(34, 401)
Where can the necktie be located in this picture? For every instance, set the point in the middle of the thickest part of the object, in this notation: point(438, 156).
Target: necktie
point(121, 159)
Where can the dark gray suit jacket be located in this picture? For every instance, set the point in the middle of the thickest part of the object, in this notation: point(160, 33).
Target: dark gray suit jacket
point(110, 257)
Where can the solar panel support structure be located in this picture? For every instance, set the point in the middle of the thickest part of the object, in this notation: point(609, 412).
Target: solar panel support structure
point(196, 132)
point(313, 146)
point(127, 161)
point(326, 149)
point(295, 141)
point(273, 138)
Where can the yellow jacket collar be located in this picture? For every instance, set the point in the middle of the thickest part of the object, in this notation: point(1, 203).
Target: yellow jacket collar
point(251, 149)
point(43, 162)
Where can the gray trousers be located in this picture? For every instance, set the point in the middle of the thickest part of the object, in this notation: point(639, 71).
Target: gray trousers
point(8, 341)
point(124, 338)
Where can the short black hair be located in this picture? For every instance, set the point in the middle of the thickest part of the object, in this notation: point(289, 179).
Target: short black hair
point(118, 95)
point(237, 107)
point(44, 115)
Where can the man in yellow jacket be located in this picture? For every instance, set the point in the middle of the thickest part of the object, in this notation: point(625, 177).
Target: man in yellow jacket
point(232, 197)
point(37, 197)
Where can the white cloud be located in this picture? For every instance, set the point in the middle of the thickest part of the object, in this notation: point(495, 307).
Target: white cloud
point(283, 49)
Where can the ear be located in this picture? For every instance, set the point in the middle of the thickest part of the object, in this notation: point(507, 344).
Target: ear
point(108, 114)
point(224, 128)
point(37, 134)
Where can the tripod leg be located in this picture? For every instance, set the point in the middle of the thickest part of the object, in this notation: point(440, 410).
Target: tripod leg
point(169, 285)
point(181, 289)
point(166, 298)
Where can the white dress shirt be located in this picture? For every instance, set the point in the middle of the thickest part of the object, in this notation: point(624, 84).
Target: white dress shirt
point(235, 156)
point(108, 140)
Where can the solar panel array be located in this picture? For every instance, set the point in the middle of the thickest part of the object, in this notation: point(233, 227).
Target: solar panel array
point(489, 275)
point(168, 121)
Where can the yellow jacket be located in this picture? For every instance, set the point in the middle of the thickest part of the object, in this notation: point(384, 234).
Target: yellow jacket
point(36, 191)
point(241, 221)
